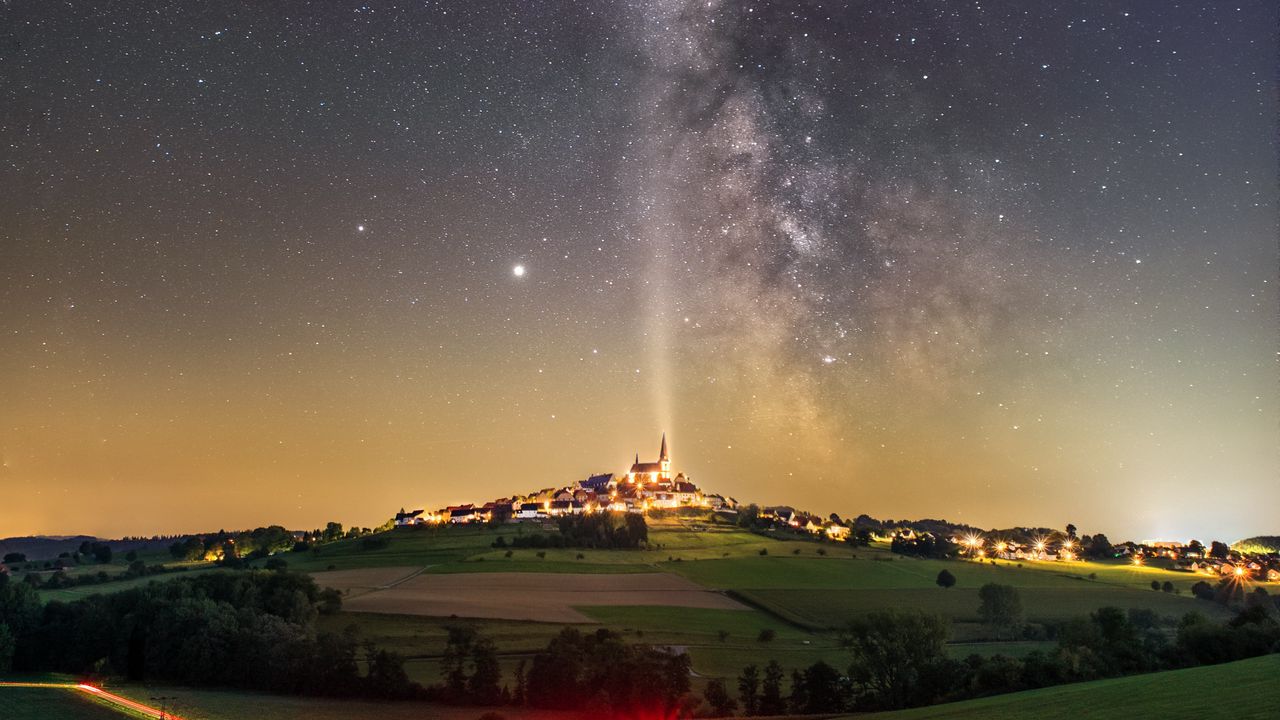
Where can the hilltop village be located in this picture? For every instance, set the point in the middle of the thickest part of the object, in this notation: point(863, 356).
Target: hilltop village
point(646, 486)
point(650, 486)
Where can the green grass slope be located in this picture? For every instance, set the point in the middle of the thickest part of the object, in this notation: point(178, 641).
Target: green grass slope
point(55, 704)
point(1244, 690)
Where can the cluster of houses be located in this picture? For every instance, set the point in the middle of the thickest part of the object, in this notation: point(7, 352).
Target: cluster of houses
point(832, 528)
point(646, 486)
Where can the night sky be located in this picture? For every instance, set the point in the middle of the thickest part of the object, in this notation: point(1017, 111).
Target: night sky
point(287, 262)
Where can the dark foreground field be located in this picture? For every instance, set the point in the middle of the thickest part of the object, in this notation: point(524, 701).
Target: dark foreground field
point(1244, 690)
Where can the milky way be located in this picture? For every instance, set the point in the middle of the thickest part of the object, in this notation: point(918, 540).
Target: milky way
point(1000, 263)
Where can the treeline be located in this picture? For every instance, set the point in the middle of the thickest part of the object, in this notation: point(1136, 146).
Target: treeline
point(230, 547)
point(59, 579)
point(605, 530)
point(253, 630)
point(897, 660)
point(597, 673)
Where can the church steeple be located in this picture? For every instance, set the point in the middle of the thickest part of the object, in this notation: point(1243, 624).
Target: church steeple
point(662, 454)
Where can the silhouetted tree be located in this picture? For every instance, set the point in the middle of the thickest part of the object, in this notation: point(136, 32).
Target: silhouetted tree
point(719, 699)
point(1000, 608)
point(892, 652)
point(771, 702)
point(946, 579)
point(749, 690)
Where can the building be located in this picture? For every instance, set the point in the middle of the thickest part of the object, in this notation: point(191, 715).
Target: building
point(652, 472)
point(409, 518)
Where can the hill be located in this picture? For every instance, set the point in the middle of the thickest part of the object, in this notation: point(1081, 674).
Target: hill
point(1242, 690)
point(1262, 544)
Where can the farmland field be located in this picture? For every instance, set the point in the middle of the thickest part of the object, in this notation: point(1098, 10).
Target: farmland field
point(724, 596)
point(530, 596)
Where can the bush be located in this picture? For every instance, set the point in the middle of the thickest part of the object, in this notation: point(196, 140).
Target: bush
point(766, 635)
point(1155, 585)
point(764, 551)
point(946, 579)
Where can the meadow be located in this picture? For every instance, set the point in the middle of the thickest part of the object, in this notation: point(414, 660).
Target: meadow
point(791, 594)
point(1243, 690)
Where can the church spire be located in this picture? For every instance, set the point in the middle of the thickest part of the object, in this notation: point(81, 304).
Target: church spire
point(662, 454)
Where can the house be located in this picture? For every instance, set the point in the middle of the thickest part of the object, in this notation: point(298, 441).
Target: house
point(560, 508)
point(597, 483)
point(464, 514)
point(530, 511)
point(409, 518)
point(1273, 575)
point(686, 493)
point(837, 532)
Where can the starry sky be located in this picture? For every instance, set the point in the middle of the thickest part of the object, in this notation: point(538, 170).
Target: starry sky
point(1003, 263)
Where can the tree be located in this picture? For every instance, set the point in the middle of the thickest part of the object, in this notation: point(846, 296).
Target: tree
point(749, 516)
point(1001, 608)
point(798, 700)
point(14, 558)
point(332, 531)
point(1155, 585)
point(946, 579)
point(1071, 531)
point(1219, 550)
point(749, 690)
point(891, 651)
point(767, 635)
point(771, 702)
point(7, 645)
point(460, 641)
point(485, 684)
point(718, 698)
point(1168, 586)
point(1098, 546)
point(823, 691)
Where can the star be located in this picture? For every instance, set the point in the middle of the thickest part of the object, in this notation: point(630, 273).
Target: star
point(518, 271)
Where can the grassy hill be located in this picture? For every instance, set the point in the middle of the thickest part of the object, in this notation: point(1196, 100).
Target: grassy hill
point(798, 591)
point(1244, 690)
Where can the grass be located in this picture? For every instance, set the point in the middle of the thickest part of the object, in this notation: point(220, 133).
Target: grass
point(54, 704)
point(201, 704)
point(832, 608)
point(1244, 690)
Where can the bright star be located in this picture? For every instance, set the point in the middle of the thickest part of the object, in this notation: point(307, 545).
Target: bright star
point(359, 228)
point(518, 271)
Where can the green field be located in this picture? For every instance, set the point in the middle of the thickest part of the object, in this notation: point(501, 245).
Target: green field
point(798, 592)
point(55, 704)
point(1244, 690)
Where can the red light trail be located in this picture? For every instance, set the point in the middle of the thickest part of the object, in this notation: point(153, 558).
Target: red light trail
point(101, 694)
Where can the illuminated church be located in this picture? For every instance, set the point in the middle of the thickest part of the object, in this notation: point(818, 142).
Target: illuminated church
point(652, 472)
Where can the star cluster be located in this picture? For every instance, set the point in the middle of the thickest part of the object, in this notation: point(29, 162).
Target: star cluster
point(994, 262)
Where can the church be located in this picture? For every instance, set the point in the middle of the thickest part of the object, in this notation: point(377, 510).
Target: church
point(652, 485)
point(652, 472)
